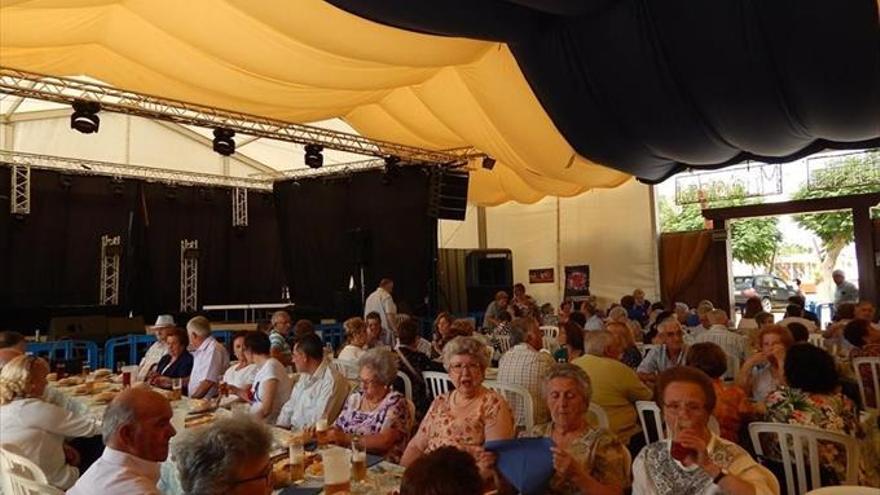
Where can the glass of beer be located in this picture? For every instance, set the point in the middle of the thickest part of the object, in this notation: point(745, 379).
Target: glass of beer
point(322, 430)
point(176, 388)
point(223, 389)
point(337, 470)
point(86, 369)
point(358, 459)
point(297, 458)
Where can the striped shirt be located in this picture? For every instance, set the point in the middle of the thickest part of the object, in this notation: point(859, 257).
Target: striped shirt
point(658, 360)
point(522, 365)
point(733, 343)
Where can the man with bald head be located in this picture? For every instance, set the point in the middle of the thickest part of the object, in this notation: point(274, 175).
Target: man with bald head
point(136, 430)
point(280, 349)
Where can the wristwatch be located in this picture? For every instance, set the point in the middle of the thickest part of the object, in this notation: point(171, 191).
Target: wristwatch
point(720, 476)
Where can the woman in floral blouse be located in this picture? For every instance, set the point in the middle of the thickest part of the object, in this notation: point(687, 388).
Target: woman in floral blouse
point(380, 415)
point(812, 397)
point(468, 416)
point(585, 459)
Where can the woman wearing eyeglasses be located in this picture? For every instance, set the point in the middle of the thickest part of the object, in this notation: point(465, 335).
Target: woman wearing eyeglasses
point(694, 460)
point(376, 412)
point(37, 428)
point(468, 416)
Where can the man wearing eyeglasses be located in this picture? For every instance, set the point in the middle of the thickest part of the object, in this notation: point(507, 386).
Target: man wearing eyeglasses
point(671, 352)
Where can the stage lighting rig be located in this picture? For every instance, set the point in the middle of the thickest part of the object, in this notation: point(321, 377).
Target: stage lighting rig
point(314, 156)
point(223, 142)
point(392, 169)
point(85, 116)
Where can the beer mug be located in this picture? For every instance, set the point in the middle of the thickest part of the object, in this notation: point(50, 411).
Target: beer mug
point(176, 388)
point(337, 470)
point(322, 430)
point(358, 459)
point(297, 457)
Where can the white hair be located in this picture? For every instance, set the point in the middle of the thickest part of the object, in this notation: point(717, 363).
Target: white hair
point(382, 361)
point(682, 306)
point(200, 326)
point(465, 346)
point(598, 341)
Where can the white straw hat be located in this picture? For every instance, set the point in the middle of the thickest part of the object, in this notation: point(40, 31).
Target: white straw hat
point(164, 321)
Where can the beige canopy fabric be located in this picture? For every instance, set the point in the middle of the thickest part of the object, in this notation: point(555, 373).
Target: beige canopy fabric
point(304, 61)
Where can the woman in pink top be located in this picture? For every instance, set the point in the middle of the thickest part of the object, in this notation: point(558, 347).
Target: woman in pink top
point(468, 416)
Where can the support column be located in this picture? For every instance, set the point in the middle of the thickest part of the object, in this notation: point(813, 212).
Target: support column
point(864, 239)
point(482, 238)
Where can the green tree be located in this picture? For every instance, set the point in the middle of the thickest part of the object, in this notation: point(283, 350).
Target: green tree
point(853, 174)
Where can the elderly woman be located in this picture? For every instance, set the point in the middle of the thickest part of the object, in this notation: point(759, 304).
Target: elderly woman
point(240, 374)
point(355, 340)
point(468, 416)
point(376, 412)
point(228, 457)
point(442, 333)
point(586, 459)
point(178, 363)
point(732, 406)
point(272, 385)
point(761, 373)
point(37, 428)
point(571, 342)
point(694, 460)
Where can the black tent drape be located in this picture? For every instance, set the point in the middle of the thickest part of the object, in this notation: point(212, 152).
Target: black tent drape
point(316, 218)
point(653, 86)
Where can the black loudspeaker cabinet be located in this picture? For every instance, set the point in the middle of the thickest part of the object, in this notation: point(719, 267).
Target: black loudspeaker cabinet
point(448, 192)
point(360, 244)
point(469, 278)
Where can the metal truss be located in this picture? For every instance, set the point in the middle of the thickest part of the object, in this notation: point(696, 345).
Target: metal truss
point(110, 253)
point(21, 160)
point(189, 275)
point(239, 207)
point(65, 90)
point(20, 190)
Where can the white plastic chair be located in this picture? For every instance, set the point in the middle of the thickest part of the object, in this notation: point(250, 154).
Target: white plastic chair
point(647, 348)
point(504, 343)
point(644, 408)
point(873, 363)
point(798, 441)
point(844, 490)
point(438, 383)
point(816, 339)
point(550, 331)
point(407, 385)
point(598, 416)
point(20, 476)
point(520, 401)
point(349, 369)
point(550, 344)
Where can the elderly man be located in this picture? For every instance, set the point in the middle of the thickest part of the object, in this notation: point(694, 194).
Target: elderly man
point(381, 302)
point(733, 343)
point(136, 430)
point(671, 352)
point(210, 359)
point(845, 291)
point(702, 315)
point(682, 312)
point(616, 387)
point(525, 365)
point(320, 391)
point(492, 317)
point(278, 337)
point(164, 325)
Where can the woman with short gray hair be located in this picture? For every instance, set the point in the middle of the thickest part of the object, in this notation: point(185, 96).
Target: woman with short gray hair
point(468, 416)
point(586, 459)
point(228, 457)
point(380, 415)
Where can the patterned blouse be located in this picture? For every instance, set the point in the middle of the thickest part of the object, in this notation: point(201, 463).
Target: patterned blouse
point(870, 350)
point(601, 453)
point(465, 431)
point(732, 408)
point(392, 412)
point(834, 412)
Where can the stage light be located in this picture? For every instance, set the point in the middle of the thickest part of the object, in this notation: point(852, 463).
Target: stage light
point(488, 162)
point(223, 142)
point(314, 158)
point(392, 169)
point(84, 118)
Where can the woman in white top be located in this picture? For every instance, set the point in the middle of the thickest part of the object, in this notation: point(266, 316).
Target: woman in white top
point(37, 427)
point(240, 374)
point(355, 340)
point(272, 386)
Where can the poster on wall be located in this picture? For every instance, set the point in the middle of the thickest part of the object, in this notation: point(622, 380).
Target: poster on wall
point(541, 276)
point(577, 282)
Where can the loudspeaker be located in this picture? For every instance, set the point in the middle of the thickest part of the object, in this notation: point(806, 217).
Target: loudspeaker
point(360, 246)
point(448, 194)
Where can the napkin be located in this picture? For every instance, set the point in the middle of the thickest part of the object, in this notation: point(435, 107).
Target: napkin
point(526, 463)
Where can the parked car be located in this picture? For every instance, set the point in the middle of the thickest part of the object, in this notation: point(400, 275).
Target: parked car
point(773, 291)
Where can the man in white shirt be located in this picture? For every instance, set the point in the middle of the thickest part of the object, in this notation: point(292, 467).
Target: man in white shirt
point(210, 359)
point(845, 291)
point(381, 302)
point(526, 366)
point(320, 391)
point(164, 324)
point(733, 343)
point(136, 430)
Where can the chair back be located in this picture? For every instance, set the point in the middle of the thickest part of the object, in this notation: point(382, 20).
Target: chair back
point(597, 416)
point(549, 344)
point(20, 476)
point(349, 369)
point(520, 401)
point(651, 420)
point(799, 447)
point(407, 385)
point(867, 370)
point(504, 343)
point(438, 383)
point(816, 339)
point(550, 331)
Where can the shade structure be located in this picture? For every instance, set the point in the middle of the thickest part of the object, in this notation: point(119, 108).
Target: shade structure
point(308, 60)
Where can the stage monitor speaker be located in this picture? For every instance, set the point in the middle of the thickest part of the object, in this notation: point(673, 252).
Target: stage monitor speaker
point(360, 246)
point(448, 196)
point(488, 271)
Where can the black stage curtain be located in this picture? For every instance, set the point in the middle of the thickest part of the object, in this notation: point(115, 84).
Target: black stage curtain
point(652, 87)
point(316, 220)
point(50, 258)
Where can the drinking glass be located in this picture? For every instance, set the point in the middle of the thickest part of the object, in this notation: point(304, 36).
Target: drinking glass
point(297, 457)
point(176, 388)
point(322, 428)
point(358, 459)
point(337, 470)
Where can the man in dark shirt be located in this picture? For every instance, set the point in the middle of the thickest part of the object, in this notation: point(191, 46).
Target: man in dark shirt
point(413, 363)
point(809, 315)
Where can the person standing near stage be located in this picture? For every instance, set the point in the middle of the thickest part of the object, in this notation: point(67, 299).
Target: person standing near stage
point(845, 291)
point(381, 302)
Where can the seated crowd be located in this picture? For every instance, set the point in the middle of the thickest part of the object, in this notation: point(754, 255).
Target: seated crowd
point(697, 368)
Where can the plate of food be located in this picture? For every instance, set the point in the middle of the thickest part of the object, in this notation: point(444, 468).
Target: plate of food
point(102, 373)
point(198, 406)
point(103, 397)
point(70, 381)
point(198, 420)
